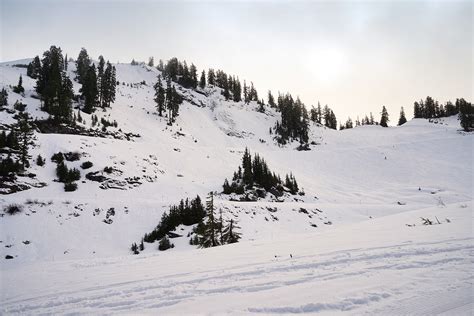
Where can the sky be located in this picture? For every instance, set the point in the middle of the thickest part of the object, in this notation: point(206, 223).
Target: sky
point(354, 56)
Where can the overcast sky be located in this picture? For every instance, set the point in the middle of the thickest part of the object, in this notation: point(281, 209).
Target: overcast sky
point(352, 55)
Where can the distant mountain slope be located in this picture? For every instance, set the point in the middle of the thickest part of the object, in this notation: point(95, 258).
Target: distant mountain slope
point(349, 176)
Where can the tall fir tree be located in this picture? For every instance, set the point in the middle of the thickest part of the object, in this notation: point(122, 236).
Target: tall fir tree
point(202, 81)
point(89, 90)
point(209, 234)
point(19, 88)
point(230, 234)
point(384, 117)
point(3, 97)
point(54, 86)
point(402, 120)
point(83, 63)
point(101, 82)
point(160, 96)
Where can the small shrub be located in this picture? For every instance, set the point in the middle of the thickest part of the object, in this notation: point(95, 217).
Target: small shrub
point(67, 175)
point(86, 165)
point(19, 106)
point(70, 186)
point(134, 249)
point(108, 170)
point(13, 209)
point(72, 156)
point(40, 161)
point(165, 244)
point(57, 157)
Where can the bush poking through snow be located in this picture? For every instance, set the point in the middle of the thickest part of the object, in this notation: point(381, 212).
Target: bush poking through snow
point(13, 209)
point(165, 244)
point(70, 186)
point(67, 175)
point(40, 161)
point(57, 157)
point(86, 165)
point(134, 249)
point(72, 156)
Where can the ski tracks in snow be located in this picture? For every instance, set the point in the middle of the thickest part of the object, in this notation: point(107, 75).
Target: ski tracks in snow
point(422, 265)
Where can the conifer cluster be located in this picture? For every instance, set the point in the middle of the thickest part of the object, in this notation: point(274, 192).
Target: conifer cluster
point(186, 213)
point(53, 85)
point(256, 173)
point(214, 231)
point(167, 99)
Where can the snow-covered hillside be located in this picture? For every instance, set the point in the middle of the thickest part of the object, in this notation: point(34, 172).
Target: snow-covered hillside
point(354, 242)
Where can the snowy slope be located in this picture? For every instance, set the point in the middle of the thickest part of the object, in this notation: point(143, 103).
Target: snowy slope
point(362, 186)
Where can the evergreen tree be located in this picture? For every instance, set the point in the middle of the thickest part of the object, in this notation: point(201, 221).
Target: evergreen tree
point(229, 233)
point(19, 88)
point(54, 86)
point(402, 120)
point(160, 96)
point(25, 134)
point(349, 123)
point(193, 76)
point(89, 90)
point(209, 234)
point(34, 68)
point(384, 119)
point(466, 114)
point(202, 81)
point(237, 91)
point(3, 97)
point(151, 62)
point(83, 63)
point(211, 77)
point(65, 63)
point(271, 99)
point(101, 82)
point(165, 244)
point(246, 93)
point(109, 84)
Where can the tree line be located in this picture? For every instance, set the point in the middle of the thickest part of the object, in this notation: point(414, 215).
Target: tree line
point(430, 108)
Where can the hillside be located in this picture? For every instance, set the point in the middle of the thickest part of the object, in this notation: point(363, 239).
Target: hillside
point(363, 187)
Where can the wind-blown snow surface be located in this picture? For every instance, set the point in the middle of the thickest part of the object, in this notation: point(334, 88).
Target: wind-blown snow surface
point(344, 247)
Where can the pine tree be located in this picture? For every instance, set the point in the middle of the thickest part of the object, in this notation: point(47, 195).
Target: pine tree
point(3, 97)
point(193, 76)
point(160, 65)
point(384, 119)
point(247, 175)
point(34, 68)
point(209, 234)
point(402, 120)
point(237, 91)
point(54, 86)
point(151, 62)
point(19, 88)
point(271, 99)
point(89, 90)
point(466, 114)
point(101, 84)
point(83, 63)
point(160, 96)
point(202, 81)
point(230, 235)
point(211, 77)
point(25, 135)
point(65, 63)
point(109, 84)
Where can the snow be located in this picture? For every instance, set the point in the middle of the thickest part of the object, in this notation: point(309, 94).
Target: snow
point(363, 187)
